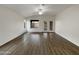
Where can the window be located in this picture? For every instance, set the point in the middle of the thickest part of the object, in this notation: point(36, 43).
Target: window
point(34, 23)
point(24, 23)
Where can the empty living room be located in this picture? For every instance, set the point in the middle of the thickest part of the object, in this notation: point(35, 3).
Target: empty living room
point(39, 29)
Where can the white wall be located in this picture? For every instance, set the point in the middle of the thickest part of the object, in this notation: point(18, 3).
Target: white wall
point(67, 24)
point(11, 25)
point(41, 23)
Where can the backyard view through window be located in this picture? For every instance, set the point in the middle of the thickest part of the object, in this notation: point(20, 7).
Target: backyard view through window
point(34, 23)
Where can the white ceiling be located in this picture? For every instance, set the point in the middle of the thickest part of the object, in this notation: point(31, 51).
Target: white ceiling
point(31, 9)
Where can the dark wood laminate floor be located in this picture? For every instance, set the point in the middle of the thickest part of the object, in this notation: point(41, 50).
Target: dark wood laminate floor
point(39, 44)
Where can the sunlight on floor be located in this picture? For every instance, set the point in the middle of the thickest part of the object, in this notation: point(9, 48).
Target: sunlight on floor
point(45, 35)
point(35, 38)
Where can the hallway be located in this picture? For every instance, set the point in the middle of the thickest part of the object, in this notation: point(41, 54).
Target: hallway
point(39, 44)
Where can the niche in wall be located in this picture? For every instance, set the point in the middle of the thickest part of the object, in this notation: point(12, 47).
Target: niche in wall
point(34, 23)
point(45, 25)
point(51, 25)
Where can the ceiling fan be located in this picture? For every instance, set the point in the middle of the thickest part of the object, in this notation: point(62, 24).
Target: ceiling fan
point(40, 10)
